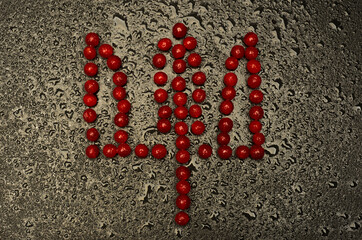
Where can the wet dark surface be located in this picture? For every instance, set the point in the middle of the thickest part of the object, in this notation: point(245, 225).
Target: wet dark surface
point(306, 187)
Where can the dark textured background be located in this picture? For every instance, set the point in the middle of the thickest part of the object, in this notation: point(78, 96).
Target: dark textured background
point(306, 187)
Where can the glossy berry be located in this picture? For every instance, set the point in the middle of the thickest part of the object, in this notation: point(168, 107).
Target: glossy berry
point(198, 95)
point(114, 62)
point(250, 39)
point(182, 156)
point(110, 150)
point(195, 111)
point(178, 51)
point(181, 112)
point(121, 136)
point(256, 96)
point(183, 187)
point(251, 53)
point(141, 151)
point(92, 134)
point(254, 81)
point(242, 152)
point(105, 50)
point(164, 125)
point(194, 60)
point(124, 150)
point(92, 151)
point(182, 142)
point(237, 51)
point(182, 218)
point(258, 138)
point(253, 66)
point(164, 112)
point(226, 107)
point(231, 63)
point(90, 69)
point(190, 43)
point(89, 52)
point(205, 151)
point(119, 78)
point(159, 151)
point(179, 30)
point(181, 128)
point(164, 44)
point(183, 202)
point(160, 78)
point(92, 39)
point(224, 152)
point(179, 66)
point(255, 126)
point(225, 124)
point(199, 78)
point(119, 93)
point(256, 152)
point(91, 86)
point(198, 128)
point(183, 173)
point(160, 95)
point(230, 79)
point(124, 106)
point(256, 112)
point(178, 84)
point(89, 115)
point(159, 61)
point(121, 120)
point(90, 100)
point(180, 98)
point(228, 93)
point(223, 138)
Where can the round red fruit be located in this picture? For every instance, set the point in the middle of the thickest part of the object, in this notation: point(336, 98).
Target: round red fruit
point(160, 95)
point(223, 138)
point(183, 173)
point(182, 156)
point(92, 151)
point(179, 66)
point(119, 93)
point(205, 151)
point(195, 111)
point(178, 84)
point(90, 100)
point(91, 69)
point(89, 115)
point(231, 63)
point(120, 79)
point(190, 43)
point(178, 51)
point(256, 112)
point(179, 30)
point(181, 128)
point(92, 39)
point(181, 112)
point(258, 138)
point(164, 125)
point(105, 50)
point(256, 96)
point(226, 107)
point(89, 52)
point(242, 152)
point(121, 136)
point(114, 62)
point(182, 218)
point(121, 120)
point(182, 142)
point(199, 95)
point(256, 152)
point(199, 78)
point(251, 39)
point(255, 126)
point(91, 86)
point(164, 44)
point(225, 124)
point(164, 112)
point(109, 150)
point(92, 134)
point(159, 61)
point(180, 98)
point(124, 150)
point(183, 202)
point(183, 187)
point(253, 66)
point(160, 78)
point(224, 152)
point(141, 151)
point(237, 51)
point(124, 106)
point(194, 60)
point(159, 151)
point(198, 128)
point(230, 79)
point(228, 93)
point(254, 81)
point(251, 53)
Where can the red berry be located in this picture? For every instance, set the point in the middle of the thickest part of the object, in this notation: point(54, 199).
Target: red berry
point(89, 52)
point(178, 51)
point(251, 39)
point(256, 152)
point(160, 78)
point(183, 202)
point(92, 39)
point(105, 50)
point(114, 62)
point(91, 86)
point(205, 151)
point(255, 126)
point(224, 152)
point(164, 112)
point(199, 95)
point(120, 79)
point(228, 93)
point(119, 93)
point(254, 81)
point(182, 156)
point(230, 79)
point(258, 138)
point(92, 134)
point(92, 151)
point(226, 107)
point(182, 218)
point(124, 150)
point(159, 151)
point(159, 60)
point(256, 96)
point(121, 120)
point(190, 43)
point(195, 111)
point(89, 115)
point(182, 142)
point(231, 63)
point(251, 53)
point(141, 151)
point(181, 128)
point(109, 150)
point(199, 78)
point(198, 128)
point(180, 98)
point(225, 124)
point(179, 30)
point(194, 60)
point(121, 136)
point(181, 112)
point(90, 100)
point(160, 95)
point(183, 187)
point(183, 173)
point(237, 51)
point(124, 106)
point(91, 69)
point(223, 138)
point(242, 152)
point(179, 66)
point(164, 125)
point(164, 44)
point(178, 84)
point(253, 66)
point(256, 112)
